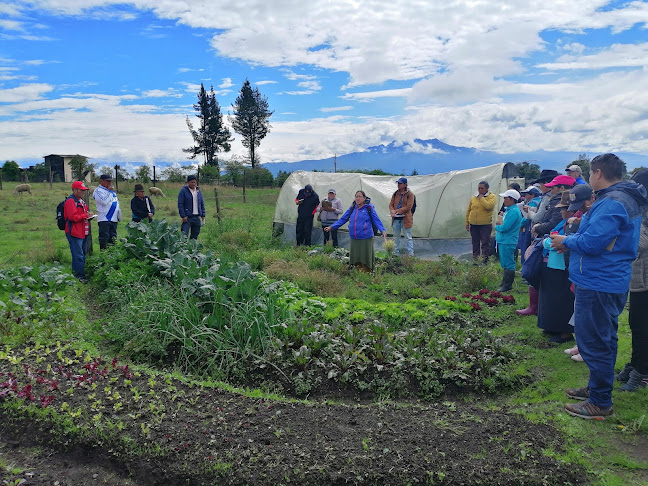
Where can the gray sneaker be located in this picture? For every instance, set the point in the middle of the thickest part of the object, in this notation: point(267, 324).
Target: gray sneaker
point(624, 375)
point(589, 411)
point(636, 381)
point(578, 393)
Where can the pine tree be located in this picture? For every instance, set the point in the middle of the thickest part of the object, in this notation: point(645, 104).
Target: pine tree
point(251, 119)
point(212, 136)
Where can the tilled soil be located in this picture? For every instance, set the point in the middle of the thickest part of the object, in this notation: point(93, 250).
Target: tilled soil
point(171, 432)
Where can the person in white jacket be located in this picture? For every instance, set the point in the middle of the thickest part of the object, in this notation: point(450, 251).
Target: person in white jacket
point(108, 211)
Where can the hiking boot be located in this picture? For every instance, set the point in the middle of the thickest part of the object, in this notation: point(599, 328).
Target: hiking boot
point(624, 375)
point(589, 411)
point(636, 381)
point(578, 393)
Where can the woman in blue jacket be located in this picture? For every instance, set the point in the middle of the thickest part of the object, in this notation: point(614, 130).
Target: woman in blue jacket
point(507, 237)
point(360, 217)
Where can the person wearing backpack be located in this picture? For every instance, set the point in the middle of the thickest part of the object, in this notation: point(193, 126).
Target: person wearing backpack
point(362, 218)
point(401, 208)
point(77, 228)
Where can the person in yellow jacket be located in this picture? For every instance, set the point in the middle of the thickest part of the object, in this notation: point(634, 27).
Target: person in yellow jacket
point(479, 221)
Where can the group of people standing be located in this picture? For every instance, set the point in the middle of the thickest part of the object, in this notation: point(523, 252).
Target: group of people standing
point(595, 239)
point(76, 213)
point(363, 220)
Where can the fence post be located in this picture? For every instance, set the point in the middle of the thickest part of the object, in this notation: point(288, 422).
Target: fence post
point(154, 178)
point(218, 214)
point(50, 175)
point(244, 182)
point(86, 198)
point(0, 181)
point(116, 178)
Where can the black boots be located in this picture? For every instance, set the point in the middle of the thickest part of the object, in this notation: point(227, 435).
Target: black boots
point(507, 280)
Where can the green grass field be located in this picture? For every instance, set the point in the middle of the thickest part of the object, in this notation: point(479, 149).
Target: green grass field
point(613, 451)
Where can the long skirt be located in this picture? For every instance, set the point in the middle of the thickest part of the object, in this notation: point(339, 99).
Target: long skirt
point(555, 302)
point(362, 251)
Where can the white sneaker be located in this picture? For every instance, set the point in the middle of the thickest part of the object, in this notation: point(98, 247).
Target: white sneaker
point(577, 357)
point(571, 351)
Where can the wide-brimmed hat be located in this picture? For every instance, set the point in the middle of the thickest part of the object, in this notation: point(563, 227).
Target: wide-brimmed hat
point(564, 200)
point(578, 195)
point(546, 175)
point(563, 180)
point(138, 187)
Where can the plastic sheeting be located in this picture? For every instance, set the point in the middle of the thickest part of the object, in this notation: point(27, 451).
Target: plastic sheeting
point(441, 199)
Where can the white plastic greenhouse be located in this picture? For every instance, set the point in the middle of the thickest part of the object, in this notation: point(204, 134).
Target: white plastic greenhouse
point(441, 202)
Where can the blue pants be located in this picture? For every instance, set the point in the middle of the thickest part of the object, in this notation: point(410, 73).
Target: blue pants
point(78, 248)
point(107, 233)
point(397, 226)
point(596, 320)
point(193, 223)
point(507, 256)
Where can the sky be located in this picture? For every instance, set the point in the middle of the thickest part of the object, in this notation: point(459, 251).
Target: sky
point(115, 81)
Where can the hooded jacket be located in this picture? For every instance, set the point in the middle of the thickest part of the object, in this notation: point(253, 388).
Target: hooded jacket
point(605, 245)
point(311, 200)
point(507, 232)
point(639, 282)
point(360, 227)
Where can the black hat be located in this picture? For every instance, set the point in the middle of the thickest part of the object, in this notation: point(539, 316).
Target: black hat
point(547, 175)
point(191, 178)
point(105, 177)
point(578, 195)
point(138, 187)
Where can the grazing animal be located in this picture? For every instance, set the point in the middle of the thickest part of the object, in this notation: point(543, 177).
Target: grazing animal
point(156, 191)
point(20, 188)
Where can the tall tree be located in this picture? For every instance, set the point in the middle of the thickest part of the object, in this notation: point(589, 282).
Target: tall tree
point(528, 171)
point(11, 171)
point(143, 174)
point(212, 136)
point(80, 167)
point(251, 119)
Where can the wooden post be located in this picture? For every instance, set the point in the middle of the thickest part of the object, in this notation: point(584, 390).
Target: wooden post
point(154, 179)
point(86, 198)
point(198, 175)
point(50, 175)
point(116, 177)
point(218, 214)
point(244, 182)
point(0, 181)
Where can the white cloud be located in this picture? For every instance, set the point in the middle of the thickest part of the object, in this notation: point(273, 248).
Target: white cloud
point(372, 95)
point(227, 83)
point(161, 93)
point(11, 25)
point(25, 92)
point(261, 83)
point(336, 108)
point(617, 55)
point(310, 85)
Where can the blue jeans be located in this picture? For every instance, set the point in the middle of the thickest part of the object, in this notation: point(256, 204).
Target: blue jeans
point(596, 320)
point(78, 248)
point(397, 226)
point(507, 256)
point(193, 223)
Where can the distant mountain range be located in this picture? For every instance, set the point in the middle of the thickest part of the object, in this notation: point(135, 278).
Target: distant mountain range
point(433, 156)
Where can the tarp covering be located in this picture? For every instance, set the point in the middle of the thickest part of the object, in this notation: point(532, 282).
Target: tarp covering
point(441, 199)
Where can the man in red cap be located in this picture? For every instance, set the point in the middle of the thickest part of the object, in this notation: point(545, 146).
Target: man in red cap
point(76, 214)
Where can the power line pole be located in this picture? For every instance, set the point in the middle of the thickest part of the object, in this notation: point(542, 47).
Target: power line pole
point(335, 163)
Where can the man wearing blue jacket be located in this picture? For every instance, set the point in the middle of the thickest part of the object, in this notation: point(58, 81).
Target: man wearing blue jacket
point(191, 207)
point(602, 252)
point(507, 237)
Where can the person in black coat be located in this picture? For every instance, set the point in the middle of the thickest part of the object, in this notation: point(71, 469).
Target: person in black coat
point(307, 201)
point(141, 205)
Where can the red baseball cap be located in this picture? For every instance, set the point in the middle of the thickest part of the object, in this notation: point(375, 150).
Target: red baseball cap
point(561, 179)
point(79, 185)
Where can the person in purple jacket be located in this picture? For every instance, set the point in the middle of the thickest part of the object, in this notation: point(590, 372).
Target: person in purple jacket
point(362, 218)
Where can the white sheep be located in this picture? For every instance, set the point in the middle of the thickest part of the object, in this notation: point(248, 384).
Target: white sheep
point(20, 188)
point(156, 191)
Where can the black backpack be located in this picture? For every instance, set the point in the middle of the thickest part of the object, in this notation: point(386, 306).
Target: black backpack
point(60, 218)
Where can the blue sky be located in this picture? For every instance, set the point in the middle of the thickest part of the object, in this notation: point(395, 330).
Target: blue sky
point(114, 81)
